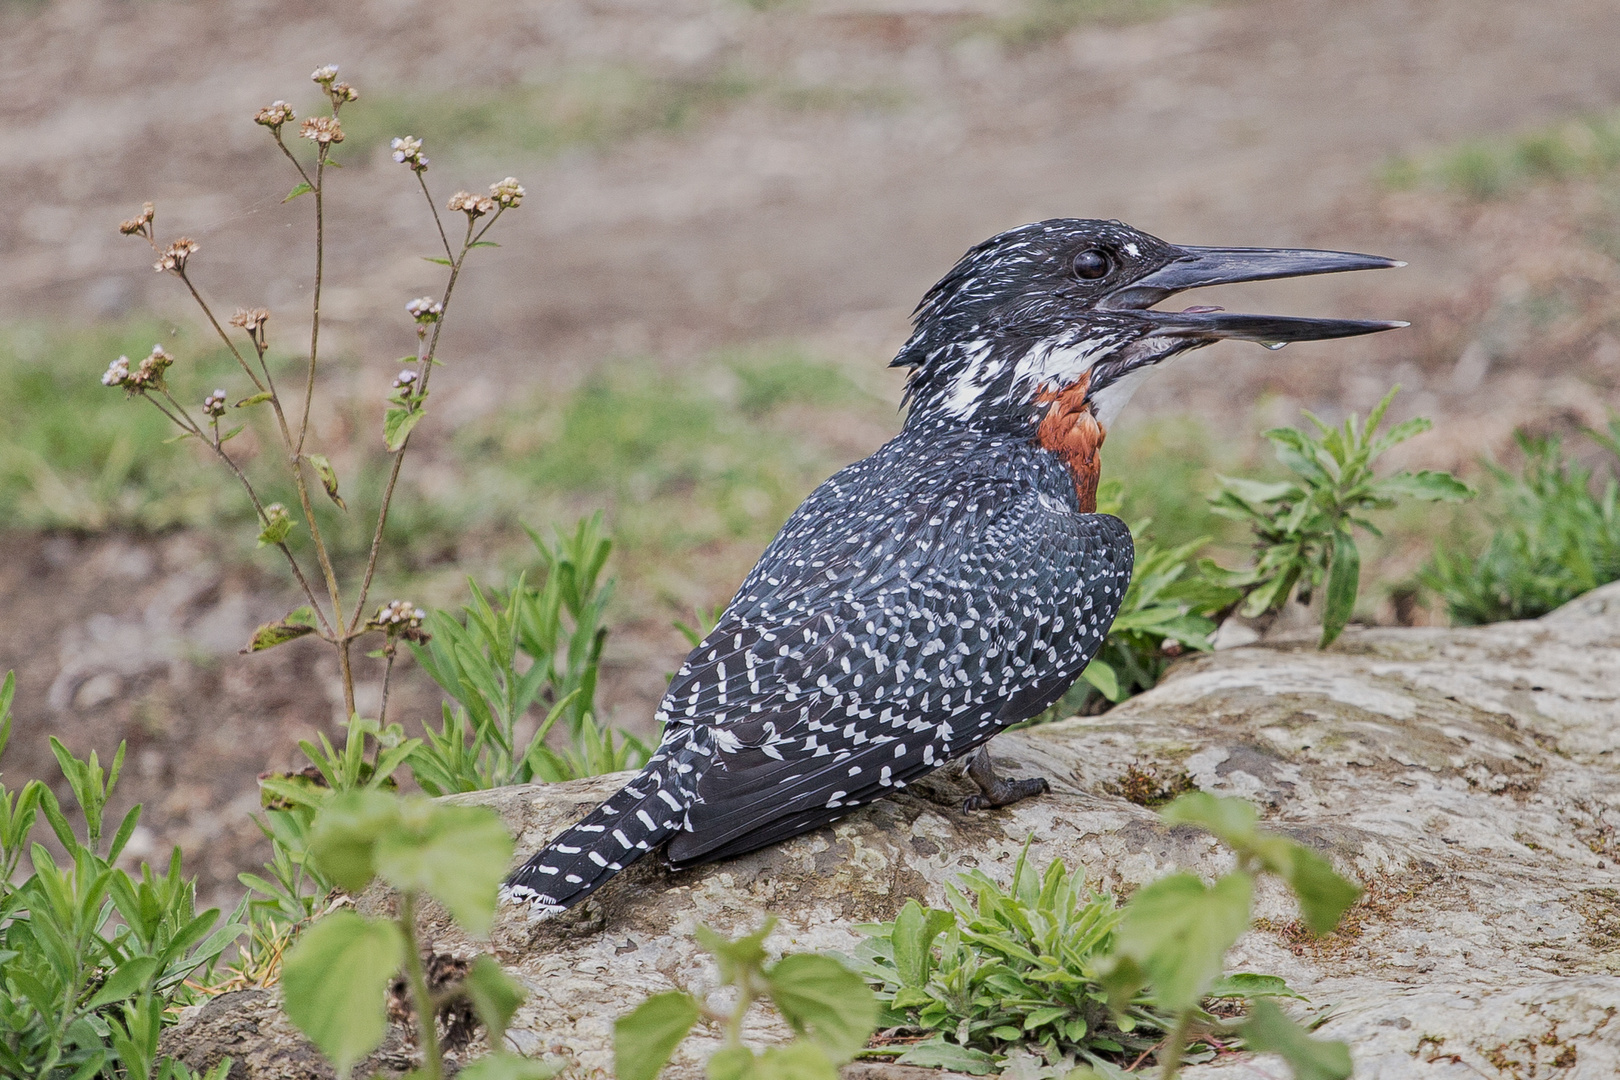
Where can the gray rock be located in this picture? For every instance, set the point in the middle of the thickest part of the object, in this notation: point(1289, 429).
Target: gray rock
point(1468, 778)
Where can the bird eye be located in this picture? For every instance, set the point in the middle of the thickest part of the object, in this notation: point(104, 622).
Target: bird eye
point(1091, 263)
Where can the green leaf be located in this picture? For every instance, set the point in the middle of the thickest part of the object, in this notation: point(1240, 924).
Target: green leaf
point(456, 854)
point(731, 1063)
point(1101, 674)
point(502, 1065)
point(1425, 485)
point(344, 838)
point(484, 243)
point(439, 259)
point(1344, 581)
point(1177, 931)
point(300, 616)
point(937, 1053)
point(1323, 895)
point(126, 981)
point(824, 1000)
point(495, 996)
point(328, 475)
point(915, 930)
point(333, 981)
point(644, 1039)
point(277, 525)
point(397, 425)
point(1232, 820)
point(795, 1061)
point(231, 434)
point(747, 953)
point(302, 189)
point(1269, 1030)
point(1246, 984)
point(269, 635)
point(254, 399)
point(184, 435)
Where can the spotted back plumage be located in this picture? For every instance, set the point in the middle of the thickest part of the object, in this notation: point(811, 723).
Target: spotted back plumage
point(917, 603)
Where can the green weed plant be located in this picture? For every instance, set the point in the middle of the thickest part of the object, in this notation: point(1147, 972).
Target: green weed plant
point(1554, 538)
point(92, 957)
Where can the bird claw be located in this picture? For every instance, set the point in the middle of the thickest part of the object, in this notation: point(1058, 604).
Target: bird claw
point(1005, 793)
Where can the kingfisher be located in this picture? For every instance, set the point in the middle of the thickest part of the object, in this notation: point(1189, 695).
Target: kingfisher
point(954, 583)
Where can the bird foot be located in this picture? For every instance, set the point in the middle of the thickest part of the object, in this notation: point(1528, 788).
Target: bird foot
point(994, 790)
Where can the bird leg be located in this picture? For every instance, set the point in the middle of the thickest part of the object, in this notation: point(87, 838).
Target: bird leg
point(994, 790)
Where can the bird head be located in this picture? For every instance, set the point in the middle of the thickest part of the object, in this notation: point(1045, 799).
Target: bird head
point(1064, 309)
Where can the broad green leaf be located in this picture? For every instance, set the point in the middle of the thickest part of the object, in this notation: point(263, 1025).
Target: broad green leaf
point(938, 1053)
point(456, 854)
point(272, 634)
point(502, 1065)
point(1246, 984)
point(821, 998)
point(344, 838)
point(495, 996)
point(1101, 674)
point(333, 981)
point(328, 475)
point(1269, 1030)
point(254, 399)
point(915, 930)
point(126, 981)
point(1344, 581)
point(731, 1063)
point(644, 1039)
point(746, 953)
point(302, 189)
point(300, 616)
point(1178, 930)
point(1323, 895)
point(397, 425)
point(795, 1061)
point(1232, 820)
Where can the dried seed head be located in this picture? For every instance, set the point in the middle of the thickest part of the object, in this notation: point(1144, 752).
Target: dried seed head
point(117, 373)
point(324, 75)
point(400, 618)
point(274, 115)
point(475, 206)
point(148, 375)
point(321, 129)
point(425, 309)
point(140, 224)
point(214, 404)
point(508, 192)
point(408, 151)
point(175, 255)
point(342, 92)
point(251, 319)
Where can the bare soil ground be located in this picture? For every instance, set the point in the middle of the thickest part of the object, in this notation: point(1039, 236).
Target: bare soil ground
point(889, 135)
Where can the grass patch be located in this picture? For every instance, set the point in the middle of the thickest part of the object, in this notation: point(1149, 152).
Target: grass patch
point(696, 471)
point(584, 107)
point(1490, 168)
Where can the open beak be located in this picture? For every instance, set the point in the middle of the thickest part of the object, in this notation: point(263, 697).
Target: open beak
point(1200, 266)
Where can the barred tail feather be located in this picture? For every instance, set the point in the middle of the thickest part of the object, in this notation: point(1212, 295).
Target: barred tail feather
point(639, 817)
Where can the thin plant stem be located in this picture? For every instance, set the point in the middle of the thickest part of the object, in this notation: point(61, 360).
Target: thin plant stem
point(320, 265)
point(437, 221)
point(388, 673)
point(425, 371)
point(1173, 1046)
point(426, 1021)
point(223, 336)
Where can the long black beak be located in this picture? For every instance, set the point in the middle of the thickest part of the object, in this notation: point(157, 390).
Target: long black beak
point(1201, 266)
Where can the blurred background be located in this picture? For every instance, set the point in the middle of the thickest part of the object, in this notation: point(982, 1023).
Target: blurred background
point(732, 207)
